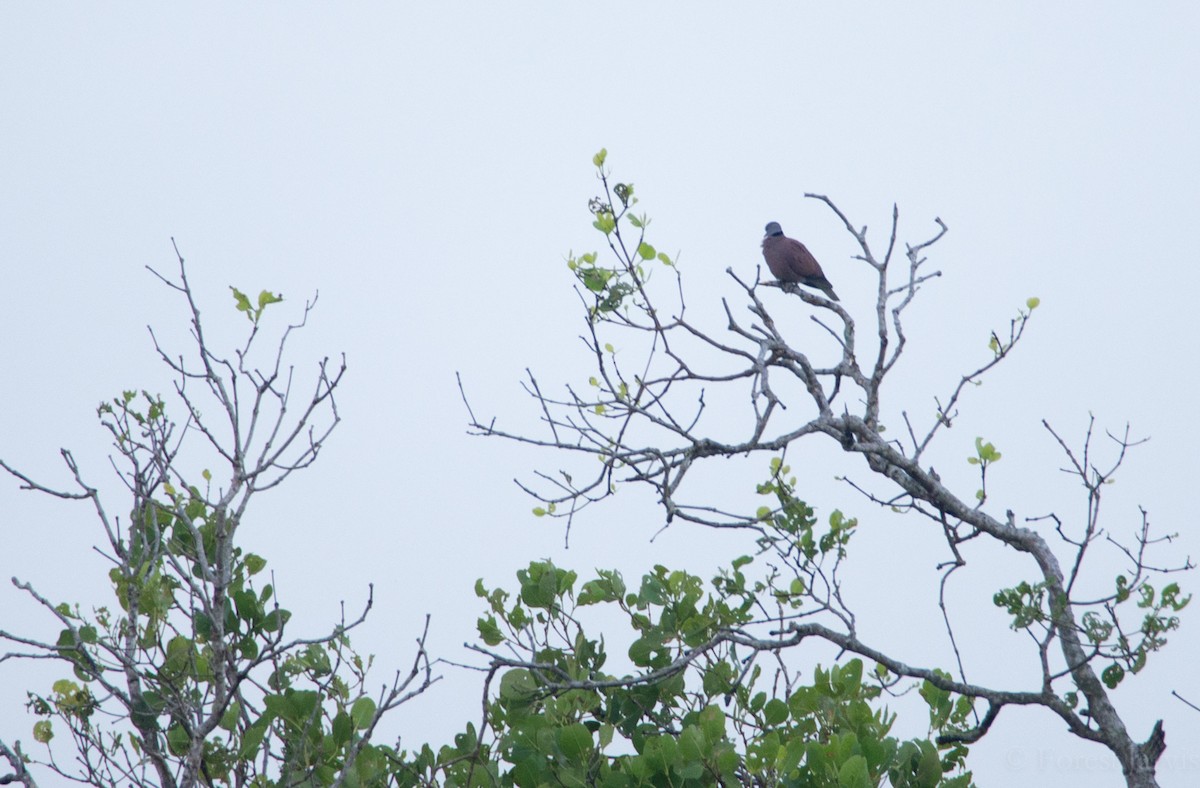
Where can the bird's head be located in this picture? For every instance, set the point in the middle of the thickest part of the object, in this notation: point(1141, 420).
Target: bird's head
point(773, 228)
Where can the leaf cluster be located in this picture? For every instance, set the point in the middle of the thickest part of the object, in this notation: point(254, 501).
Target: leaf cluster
point(697, 702)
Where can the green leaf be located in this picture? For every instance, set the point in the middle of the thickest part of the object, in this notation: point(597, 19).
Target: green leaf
point(597, 591)
point(178, 741)
point(247, 606)
point(575, 742)
point(849, 677)
point(241, 301)
point(229, 719)
point(275, 620)
point(489, 631)
point(776, 712)
point(646, 251)
point(791, 756)
point(43, 731)
point(660, 753)
point(985, 453)
point(642, 650)
point(596, 279)
point(1032, 303)
point(266, 297)
point(178, 657)
point(363, 712)
point(298, 706)
point(692, 743)
point(65, 688)
point(253, 738)
point(598, 159)
point(342, 729)
point(255, 563)
point(1170, 597)
point(517, 685)
point(712, 721)
point(540, 584)
point(923, 763)
point(854, 773)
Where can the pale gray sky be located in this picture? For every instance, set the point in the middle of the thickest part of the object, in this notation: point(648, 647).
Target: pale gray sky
point(427, 169)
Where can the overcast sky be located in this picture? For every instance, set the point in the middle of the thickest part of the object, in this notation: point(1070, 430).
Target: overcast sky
point(428, 169)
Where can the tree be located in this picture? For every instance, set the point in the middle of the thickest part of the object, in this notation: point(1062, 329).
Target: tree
point(699, 706)
point(188, 676)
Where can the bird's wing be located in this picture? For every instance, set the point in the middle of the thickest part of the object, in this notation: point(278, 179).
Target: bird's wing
point(800, 261)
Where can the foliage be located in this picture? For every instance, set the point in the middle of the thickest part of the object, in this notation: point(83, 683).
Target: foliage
point(701, 711)
point(707, 702)
point(645, 419)
point(189, 676)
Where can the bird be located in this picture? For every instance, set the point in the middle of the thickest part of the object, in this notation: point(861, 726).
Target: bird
point(790, 261)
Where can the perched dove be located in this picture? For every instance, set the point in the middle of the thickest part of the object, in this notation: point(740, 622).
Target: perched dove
point(790, 261)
